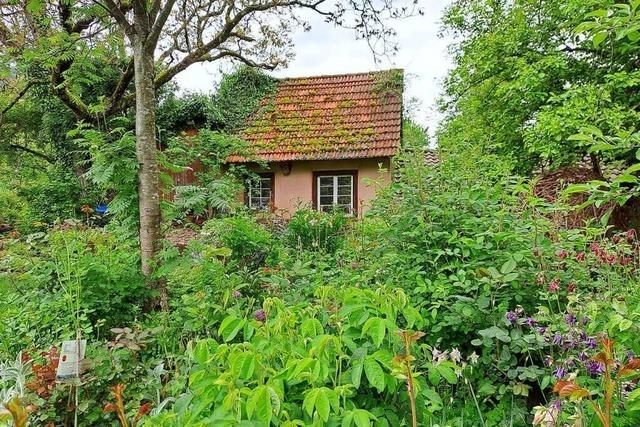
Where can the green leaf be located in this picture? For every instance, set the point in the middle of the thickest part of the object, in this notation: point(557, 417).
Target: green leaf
point(317, 400)
point(309, 402)
point(374, 373)
point(599, 37)
point(432, 395)
point(322, 405)
point(311, 328)
point(356, 375)
point(508, 267)
point(375, 327)
point(434, 375)
point(580, 137)
point(35, 6)
point(201, 352)
point(632, 169)
point(260, 402)
point(247, 366)
point(599, 13)
point(448, 373)
point(347, 420)
point(362, 418)
point(230, 327)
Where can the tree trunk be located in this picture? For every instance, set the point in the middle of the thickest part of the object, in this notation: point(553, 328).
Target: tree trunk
point(148, 173)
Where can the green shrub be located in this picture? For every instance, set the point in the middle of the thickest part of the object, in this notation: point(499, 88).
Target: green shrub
point(56, 196)
point(13, 209)
point(317, 231)
point(55, 283)
point(342, 360)
point(251, 245)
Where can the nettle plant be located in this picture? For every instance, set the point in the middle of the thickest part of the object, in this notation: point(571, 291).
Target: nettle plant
point(348, 358)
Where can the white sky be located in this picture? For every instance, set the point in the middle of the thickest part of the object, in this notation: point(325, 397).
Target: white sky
point(330, 50)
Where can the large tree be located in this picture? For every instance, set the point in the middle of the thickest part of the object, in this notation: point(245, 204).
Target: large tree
point(148, 42)
point(526, 78)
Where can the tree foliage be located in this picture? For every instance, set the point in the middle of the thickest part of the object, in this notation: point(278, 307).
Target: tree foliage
point(526, 79)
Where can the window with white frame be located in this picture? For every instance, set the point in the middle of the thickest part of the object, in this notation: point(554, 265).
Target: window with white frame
point(335, 191)
point(260, 193)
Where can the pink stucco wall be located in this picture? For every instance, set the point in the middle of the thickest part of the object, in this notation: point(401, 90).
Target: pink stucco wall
point(296, 189)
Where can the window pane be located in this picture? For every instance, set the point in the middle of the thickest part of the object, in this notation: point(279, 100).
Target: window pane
point(326, 180)
point(326, 200)
point(344, 190)
point(326, 191)
point(259, 193)
point(344, 180)
point(344, 200)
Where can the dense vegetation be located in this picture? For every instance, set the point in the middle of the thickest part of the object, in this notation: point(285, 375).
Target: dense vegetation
point(460, 299)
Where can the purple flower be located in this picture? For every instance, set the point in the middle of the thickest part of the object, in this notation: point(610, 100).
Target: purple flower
point(568, 343)
point(583, 335)
point(570, 361)
point(554, 285)
point(559, 372)
point(530, 321)
point(260, 315)
point(511, 316)
point(548, 361)
point(630, 355)
point(558, 339)
point(583, 356)
point(594, 368)
point(557, 405)
point(237, 294)
point(542, 330)
point(591, 343)
point(570, 319)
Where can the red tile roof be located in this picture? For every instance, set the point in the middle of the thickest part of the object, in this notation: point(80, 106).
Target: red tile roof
point(328, 117)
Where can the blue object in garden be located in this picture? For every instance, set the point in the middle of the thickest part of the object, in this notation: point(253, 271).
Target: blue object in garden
point(101, 208)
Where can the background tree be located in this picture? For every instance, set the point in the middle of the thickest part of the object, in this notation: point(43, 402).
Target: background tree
point(150, 42)
point(526, 79)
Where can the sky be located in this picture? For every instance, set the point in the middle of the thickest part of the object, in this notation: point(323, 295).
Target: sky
point(330, 50)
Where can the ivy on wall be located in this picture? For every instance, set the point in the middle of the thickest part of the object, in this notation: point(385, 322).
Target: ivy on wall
point(226, 110)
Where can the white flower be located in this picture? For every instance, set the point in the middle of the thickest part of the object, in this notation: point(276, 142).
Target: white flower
point(545, 417)
point(473, 358)
point(438, 356)
point(442, 357)
point(455, 355)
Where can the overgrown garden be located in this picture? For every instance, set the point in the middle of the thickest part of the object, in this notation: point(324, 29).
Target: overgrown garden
point(461, 299)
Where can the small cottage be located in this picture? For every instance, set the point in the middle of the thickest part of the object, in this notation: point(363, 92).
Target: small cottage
point(323, 142)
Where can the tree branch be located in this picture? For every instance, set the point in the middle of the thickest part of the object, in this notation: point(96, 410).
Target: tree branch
point(73, 102)
point(118, 14)
point(115, 103)
point(159, 23)
point(201, 53)
point(16, 98)
point(236, 55)
point(33, 152)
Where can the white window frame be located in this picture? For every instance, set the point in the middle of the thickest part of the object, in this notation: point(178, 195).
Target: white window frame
point(261, 179)
point(335, 177)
